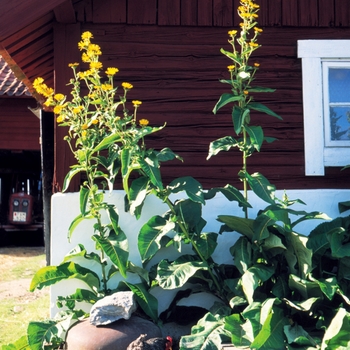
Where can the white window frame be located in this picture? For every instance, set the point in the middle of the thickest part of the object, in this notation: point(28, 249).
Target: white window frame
point(312, 54)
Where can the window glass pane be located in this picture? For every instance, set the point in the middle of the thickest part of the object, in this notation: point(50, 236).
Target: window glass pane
point(339, 118)
point(339, 85)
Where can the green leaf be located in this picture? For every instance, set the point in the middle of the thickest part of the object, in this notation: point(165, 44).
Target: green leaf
point(261, 187)
point(175, 275)
point(190, 185)
point(150, 235)
point(76, 221)
point(208, 334)
point(256, 136)
point(150, 166)
point(271, 336)
point(241, 225)
point(262, 108)
point(113, 138)
point(83, 196)
point(137, 195)
point(206, 243)
point(239, 335)
point(222, 144)
point(50, 275)
point(167, 154)
point(125, 161)
point(80, 295)
point(116, 248)
point(113, 217)
point(69, 177)
point(261, 224)
point(253, 277)
point(189, 212)
point(306, 289)
point(242, 253)
point(337, 333)
point(238, 116)
point(224, 100)
point(147, 302)
point(343, 206)
point(297, 335)
point(336, 239)
point(329, 286)
point(261, 89)
point(19, 344)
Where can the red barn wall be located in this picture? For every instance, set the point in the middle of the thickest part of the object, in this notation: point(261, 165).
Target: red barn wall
point(19, 127)
point(170, 52)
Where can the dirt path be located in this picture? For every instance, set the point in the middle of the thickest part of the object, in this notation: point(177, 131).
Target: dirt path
point(14, 259)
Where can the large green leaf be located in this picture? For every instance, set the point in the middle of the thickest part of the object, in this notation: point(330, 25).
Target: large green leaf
point(147, 302)
point(262, 108)
point(336, 238)
point(19, 344)
point(222, 144)
point(80, 295)
point(256, 136)
point(150, 166)
point(190, 213)
point(261, 224)
point(261, 187)
point(69, 177)
point(83, 199)
point(208, 334)
point(307, 289)
point(116, 248)
point(137, 195)
point(167, 154)
point(224, 100)
point(337, 333)
point(106, 142)
point(242, 253)
point(297, 335)
point(238, 118)
point(253, 277)
point(271, 336)
point(231, 193)
point(191, 186)
point(241, 225)
point(298, 256)
point(343, 206)
point(206, 243)
point(76, 221)
point(150, 235)
point(239, 336)
point(50, 275)
point(261, 89)
point(175, 275)
point(125, 161)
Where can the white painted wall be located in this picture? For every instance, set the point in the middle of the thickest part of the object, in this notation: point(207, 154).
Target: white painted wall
point(65, 207)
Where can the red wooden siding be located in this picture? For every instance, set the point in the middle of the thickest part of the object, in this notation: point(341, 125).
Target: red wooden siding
point(295, 13)
point(19, 127)
point(175, 72)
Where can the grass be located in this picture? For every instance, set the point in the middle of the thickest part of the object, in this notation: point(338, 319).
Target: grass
point(18, 306)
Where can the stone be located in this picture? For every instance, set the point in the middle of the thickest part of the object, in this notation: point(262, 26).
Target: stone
point(115, 336)
point(113, 307)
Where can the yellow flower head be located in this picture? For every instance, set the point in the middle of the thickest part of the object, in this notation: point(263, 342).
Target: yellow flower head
point(112, 71)
point(60, 119)
point(258, 30)
point(95, 65)
point(143, 122)
point(73, 65)
point(256, 64)
point(94, 121)
point(252, 44)
point(78, 109)
point(127, 86)
point(57, 109)
point(85, 57)
point(83, 134)
point(59, 97)
point(231, 67)
point(94, 48)
point(84, 127)
point(246, 92)
point(232, 32)
point(136, 103)
point(106, 87)
point(87, 35)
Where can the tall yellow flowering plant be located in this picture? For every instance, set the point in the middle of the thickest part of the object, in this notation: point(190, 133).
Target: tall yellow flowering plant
point(106, 139)
point(242, 75)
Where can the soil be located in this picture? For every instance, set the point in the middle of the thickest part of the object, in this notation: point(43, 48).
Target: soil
point(10, 257)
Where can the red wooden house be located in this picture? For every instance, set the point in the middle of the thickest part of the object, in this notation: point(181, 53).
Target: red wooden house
point(170, 51)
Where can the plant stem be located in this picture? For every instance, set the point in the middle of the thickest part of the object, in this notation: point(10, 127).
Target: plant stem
point(244, 168)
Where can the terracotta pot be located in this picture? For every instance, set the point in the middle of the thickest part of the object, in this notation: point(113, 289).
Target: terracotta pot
point(115, 336)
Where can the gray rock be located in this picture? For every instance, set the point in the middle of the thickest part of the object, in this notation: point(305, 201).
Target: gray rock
point(111, 308)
